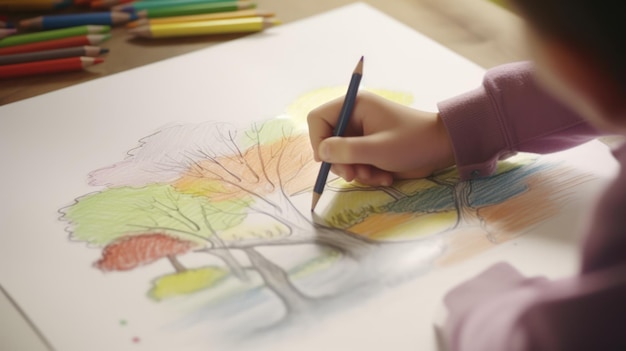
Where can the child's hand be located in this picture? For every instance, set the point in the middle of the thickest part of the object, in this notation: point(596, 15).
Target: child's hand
point(384, 141)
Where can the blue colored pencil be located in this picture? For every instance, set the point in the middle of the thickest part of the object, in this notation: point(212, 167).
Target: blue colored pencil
point(340, 128)
point(78, 19)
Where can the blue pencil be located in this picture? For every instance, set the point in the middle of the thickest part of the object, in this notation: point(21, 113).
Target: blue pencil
point(78, 19)
point(340, 128)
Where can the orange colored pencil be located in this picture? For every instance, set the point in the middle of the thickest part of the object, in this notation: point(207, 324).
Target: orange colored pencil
point(91, 39)
point(48, 66)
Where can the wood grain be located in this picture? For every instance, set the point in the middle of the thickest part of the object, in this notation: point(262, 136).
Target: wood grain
point(477, 29)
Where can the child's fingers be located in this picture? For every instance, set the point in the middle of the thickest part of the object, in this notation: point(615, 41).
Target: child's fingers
point(372, 176)
point(364, 174)
point(347, 172)
point(322, 121)
point(353, 150)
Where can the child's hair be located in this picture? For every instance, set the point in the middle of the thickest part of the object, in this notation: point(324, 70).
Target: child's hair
point(597, 27)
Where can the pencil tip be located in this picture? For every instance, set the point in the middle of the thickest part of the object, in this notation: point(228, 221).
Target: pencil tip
point(316, 198)
point(359, 66)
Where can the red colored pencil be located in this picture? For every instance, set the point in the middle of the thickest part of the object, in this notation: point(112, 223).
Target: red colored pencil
point(17, 5)
point(48, 66)
point(99, 4)
point(91, 39)
point(6, 32)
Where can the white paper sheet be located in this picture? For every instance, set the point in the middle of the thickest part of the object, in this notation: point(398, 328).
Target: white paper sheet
point(51, 143)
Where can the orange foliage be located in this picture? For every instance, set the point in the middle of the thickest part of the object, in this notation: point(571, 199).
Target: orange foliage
point(260, 169)
point(375, 224)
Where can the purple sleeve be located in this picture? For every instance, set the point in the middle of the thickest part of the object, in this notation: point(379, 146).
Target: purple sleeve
point(509, 113)
point(501, 310)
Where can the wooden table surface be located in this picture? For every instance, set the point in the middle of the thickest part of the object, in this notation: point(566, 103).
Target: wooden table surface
point(477, 29)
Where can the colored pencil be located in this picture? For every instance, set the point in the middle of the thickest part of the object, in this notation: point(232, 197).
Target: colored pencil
point(6, 32)
point(91, 39)
point(52, 34)
point(5, 23)
point(196, 9)
point(88, 51)
point(185, 29)
point(48, 66)
point(33, 5)
point(145, 5)
point(202, 17)
point(78, 19)
point(32, 2)
point(342, 123)
point(99, 4)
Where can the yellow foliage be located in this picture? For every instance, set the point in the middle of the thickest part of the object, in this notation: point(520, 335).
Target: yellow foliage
point(396, 226)
point(186, 282)
point(300, 108)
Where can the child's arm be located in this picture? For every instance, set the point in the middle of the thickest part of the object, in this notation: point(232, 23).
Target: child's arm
point(509, 113)
point(385, 140)
point(502, 310)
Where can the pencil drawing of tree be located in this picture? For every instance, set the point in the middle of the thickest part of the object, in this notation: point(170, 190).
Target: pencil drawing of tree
point(232, 195)
point(222, 184)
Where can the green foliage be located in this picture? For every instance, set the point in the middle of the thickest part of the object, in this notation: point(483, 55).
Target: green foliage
point(267, 133)
point(349, 217)
point(321, 262)
point(519, 161)
point(102, 217)
point(186, 282)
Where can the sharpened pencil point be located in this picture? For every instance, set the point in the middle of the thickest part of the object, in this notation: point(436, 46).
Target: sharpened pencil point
point(316, 198)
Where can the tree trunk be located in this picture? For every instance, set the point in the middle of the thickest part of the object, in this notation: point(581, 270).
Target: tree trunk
point(277, 280)
point(227, 257)
point(177, 265)
point(467, 216)
point(348, 243)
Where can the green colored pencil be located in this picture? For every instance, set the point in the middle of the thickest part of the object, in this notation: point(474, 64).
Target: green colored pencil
point(194, 9)
point(145, 5)
point(20, 39)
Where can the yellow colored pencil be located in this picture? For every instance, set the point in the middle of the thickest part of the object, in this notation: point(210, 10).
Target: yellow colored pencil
point(202, 17)
point(185, 29)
